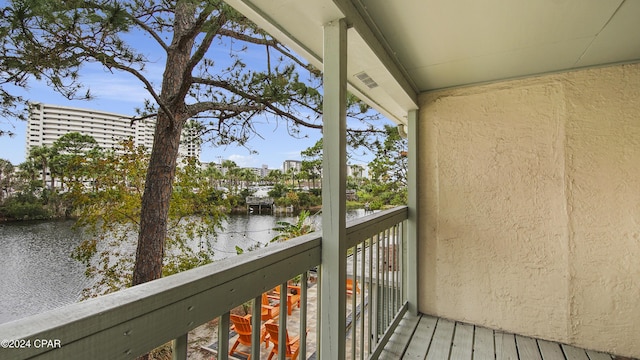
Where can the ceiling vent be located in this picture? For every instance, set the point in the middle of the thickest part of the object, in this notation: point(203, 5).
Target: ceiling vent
point(367, 80)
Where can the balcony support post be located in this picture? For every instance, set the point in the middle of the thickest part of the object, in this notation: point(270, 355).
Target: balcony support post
point(334, 170)
point(179, 348)
point(412, 222)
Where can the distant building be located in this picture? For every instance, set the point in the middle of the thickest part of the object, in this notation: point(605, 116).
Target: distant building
point(264, 171)
point(291, 164)
point(357, 171)
point(47, 123)
point(256, 171)
point(260, 172)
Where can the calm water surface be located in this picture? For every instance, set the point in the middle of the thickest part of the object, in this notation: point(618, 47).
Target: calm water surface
point(38, 274)
point(36, 270)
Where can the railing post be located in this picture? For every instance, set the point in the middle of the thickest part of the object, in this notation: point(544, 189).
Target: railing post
point(303, 315)
point(412, 222)
point(282, 321)
point(179, 348)
point(372, 292)
point(223, 336)
point(256, 319)
point(334, 262)
point(354, 295)
point(363, 277)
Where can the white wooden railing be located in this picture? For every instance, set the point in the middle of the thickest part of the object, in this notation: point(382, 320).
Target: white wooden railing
point(131, 322)
point(375, 248)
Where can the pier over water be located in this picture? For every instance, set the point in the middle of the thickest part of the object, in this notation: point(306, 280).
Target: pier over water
point(260, 204)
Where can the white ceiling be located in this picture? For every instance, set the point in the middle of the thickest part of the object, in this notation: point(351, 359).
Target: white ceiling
point(412, 46)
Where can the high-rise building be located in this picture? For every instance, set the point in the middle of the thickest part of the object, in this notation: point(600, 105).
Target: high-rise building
point(296, 165)
point(47, 123)
point(264, 171)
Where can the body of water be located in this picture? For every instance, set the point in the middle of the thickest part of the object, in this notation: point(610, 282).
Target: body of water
point(37, 272)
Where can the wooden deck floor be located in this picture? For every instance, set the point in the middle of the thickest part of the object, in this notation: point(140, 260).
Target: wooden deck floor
point(427, 337)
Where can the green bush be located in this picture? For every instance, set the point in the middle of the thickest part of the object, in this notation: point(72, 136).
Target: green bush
point(289, 199)
point(376, 205)
point(24, 207)
point(278, 191)
point(308, 200)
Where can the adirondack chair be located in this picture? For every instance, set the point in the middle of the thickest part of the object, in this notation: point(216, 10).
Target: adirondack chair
point(242, 326)
point(268, 311)
point(293, 296)
point(350, 287)
point(293, 344)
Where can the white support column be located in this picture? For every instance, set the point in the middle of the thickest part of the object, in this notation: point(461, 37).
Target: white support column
point(334, 171)
point(412, 222)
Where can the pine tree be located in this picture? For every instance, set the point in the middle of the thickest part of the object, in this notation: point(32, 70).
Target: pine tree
point(52, 40)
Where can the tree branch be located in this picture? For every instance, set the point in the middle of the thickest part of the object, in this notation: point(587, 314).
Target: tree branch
point(267, 104)
point(110, 62)
point(213, 29)
point(272, 43)
point(197, 108)
point(150, 31)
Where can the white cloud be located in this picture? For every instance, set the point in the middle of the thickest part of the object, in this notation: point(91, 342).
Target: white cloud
point(244, 161)
point(121, 86)
point(117, 87)
point(292, 155)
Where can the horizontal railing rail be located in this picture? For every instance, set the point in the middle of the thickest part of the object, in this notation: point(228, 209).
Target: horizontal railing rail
point(134, 321)
point(363, 228)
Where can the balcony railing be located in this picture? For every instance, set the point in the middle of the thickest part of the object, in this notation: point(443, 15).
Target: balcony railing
point(131, 322)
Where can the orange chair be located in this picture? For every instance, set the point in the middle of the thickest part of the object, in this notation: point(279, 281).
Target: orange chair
point(268, 311)
point(293, 297)
point(242, 326)
point(293, 344)
point(350, 287)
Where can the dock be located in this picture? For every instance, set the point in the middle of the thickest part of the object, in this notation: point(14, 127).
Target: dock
point(260, 204)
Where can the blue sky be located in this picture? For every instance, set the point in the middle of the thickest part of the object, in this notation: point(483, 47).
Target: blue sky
point(121, 93)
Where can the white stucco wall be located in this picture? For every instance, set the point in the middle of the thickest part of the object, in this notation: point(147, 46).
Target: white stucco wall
point(530, 207)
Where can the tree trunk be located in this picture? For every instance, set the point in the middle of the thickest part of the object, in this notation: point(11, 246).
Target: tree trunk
point(44, 175)
point(154, 210)
point(155, 201)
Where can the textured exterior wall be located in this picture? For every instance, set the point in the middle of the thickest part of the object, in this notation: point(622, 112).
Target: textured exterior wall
point(530, 207)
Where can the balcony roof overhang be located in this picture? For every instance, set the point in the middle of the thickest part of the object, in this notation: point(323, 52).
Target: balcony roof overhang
point(399, 49)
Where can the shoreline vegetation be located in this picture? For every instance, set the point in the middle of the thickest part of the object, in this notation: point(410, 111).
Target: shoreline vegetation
point(238, 210)
point(101, 190)
point(75, 179)
point(39, 212)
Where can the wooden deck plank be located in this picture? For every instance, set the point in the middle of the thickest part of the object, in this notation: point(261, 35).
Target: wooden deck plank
point(421, 340)
point(573, 353)
point(550, 350)
point(441, 343)
point(401, 338)
point(527, 348)
point(483, 348)
point(505, 346)
point(431, 338)
point(462, 347)
point(596, 355)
